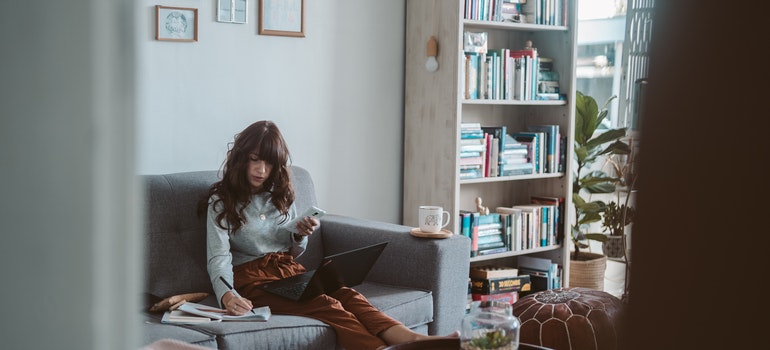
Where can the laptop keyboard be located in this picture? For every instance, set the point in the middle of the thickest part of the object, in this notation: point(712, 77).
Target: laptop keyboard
point(294, 290)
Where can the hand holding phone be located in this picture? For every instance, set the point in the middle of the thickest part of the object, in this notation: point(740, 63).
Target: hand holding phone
point(312, 212)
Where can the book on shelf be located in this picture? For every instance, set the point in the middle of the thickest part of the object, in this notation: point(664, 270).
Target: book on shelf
point(558, 218)
point(492, 271)
point(514, 226)
point(497, 246)
point(538, 142)
point(522, 282)
point(531, 225)
point(475, 221)
point(471, 75)
point(488, 166)
point(508, 297)
point(491, 251)
point(490, 237)
point(195, 313)
point(505, 220)
point(498, 145)
point(465, 224)
point(543, 223)
point(473, 151)
point(551, 132)
point(527, 67)
point(541, 271)
point(530, 140)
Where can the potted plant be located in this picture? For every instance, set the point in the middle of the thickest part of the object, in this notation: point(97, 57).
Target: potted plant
point(587, 269)
point(614, 221)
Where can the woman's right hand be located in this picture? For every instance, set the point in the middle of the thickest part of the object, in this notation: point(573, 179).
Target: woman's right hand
point(235, 305)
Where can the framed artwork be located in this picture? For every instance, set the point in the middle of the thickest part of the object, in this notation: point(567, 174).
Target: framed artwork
point(176, 23)
point(282, 17)
point(232, 11)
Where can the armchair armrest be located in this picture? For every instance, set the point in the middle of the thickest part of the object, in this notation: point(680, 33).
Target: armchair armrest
point(438, 265)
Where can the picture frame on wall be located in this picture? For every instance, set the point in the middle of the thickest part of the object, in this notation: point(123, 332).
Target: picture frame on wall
point(176, 23)
point(232, 11)
point(282, 17)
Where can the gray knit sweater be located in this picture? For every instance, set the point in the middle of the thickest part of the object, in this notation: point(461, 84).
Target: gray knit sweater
point(260, 235)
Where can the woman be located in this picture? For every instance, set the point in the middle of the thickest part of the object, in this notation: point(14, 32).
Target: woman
point(246, 246)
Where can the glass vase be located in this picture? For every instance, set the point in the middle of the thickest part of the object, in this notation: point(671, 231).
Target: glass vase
point(490, 325)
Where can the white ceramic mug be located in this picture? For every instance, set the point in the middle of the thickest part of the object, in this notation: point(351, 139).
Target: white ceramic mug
point(433, 218)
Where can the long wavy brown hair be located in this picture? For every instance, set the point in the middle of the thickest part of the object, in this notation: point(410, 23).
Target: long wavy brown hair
point(234, 190)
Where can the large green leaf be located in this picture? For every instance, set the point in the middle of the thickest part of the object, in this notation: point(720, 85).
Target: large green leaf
point(604, 137)
point(596, 237)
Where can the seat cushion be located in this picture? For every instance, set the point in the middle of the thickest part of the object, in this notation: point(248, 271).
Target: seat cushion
point(414, 308)
point(154, 331)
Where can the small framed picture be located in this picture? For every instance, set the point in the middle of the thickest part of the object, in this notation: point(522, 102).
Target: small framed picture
point(176, 23)
point(232, 11)
point(282, 17)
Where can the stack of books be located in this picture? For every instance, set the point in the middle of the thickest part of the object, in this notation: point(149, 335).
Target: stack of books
point(515, 158)
point(473, 151)
point(548, 81)
point(497, 283)
point(486, 231)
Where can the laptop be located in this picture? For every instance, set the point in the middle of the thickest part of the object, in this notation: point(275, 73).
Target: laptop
point(343, 269)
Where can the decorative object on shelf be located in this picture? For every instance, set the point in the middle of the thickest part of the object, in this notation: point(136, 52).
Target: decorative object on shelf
point(282, 17)
point(480, 208)
point(490, 325)
point(590, 146)
point(571, 318)
point(176, 23)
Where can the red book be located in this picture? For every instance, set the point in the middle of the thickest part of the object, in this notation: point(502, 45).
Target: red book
point(510, 297)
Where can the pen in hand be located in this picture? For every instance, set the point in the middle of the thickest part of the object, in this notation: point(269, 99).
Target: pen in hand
point(233, 290)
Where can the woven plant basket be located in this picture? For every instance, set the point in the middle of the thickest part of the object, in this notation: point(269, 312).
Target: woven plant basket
point(588, 273)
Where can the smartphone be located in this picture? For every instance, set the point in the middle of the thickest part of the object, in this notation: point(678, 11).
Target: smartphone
point(313, 211)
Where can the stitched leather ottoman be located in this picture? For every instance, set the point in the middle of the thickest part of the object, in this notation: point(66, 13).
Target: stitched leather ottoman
point(571, 319)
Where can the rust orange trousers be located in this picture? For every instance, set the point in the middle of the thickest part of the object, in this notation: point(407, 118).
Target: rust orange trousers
point(356, 322)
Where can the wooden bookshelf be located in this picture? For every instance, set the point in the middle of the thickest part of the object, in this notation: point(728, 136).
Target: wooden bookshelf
point(434, 108)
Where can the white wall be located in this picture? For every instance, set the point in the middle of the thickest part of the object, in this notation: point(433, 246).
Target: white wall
point(336, 94)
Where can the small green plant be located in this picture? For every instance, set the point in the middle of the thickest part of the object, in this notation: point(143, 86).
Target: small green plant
point(491, 340)
point(590, 147)
point(617, 217)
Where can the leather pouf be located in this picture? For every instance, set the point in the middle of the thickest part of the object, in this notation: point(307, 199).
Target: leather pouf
point(571, 318)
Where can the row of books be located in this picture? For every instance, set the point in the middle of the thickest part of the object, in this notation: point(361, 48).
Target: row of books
point(490, 151)
point(506, 74)
point(519, 227)
point(547, 12)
